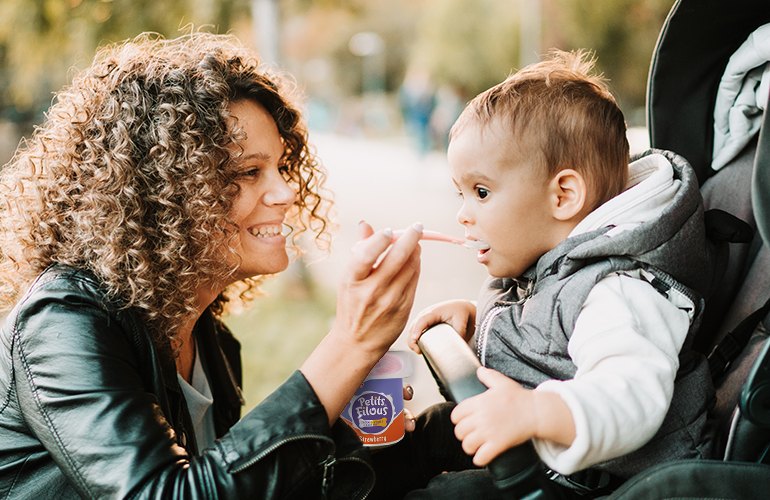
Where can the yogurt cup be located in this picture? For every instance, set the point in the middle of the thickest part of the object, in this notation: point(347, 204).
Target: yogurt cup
point(376, 410)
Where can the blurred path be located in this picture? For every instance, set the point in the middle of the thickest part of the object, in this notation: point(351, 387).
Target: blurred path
point(386, 183)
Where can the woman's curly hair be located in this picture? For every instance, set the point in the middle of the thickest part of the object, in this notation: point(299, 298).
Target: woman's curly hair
point(130, 176)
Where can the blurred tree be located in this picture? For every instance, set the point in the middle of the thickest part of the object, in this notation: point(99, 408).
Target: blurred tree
point(469, 46)
point(322, 29)
point(40, 40)
point(622, 33)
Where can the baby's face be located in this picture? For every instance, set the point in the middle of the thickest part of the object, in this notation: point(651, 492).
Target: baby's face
point(504, 200)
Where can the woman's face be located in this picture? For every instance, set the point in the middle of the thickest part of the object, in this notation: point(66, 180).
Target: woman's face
point(264, 198)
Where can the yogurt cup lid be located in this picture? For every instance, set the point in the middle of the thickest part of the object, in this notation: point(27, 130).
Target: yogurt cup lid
point(394, 364)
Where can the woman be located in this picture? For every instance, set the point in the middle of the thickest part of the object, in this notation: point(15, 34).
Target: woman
point(158, 188)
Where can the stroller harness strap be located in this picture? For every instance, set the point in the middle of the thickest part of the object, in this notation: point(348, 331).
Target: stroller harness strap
point(725, 352)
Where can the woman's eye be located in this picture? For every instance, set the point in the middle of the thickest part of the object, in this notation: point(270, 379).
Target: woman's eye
point(249, 172)
point(482, 192)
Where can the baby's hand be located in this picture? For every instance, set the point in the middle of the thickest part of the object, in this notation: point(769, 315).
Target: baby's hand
point(459, 314)
point(495, 420)
point(506, 415)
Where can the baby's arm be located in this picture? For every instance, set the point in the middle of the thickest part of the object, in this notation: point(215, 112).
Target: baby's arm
point(507, 415)
point(625, 345)
point(460, 314)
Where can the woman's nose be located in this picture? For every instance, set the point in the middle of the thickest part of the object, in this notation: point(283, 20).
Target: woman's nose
point(280, 193)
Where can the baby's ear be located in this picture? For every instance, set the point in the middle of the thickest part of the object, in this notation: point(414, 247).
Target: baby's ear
point(568, 193)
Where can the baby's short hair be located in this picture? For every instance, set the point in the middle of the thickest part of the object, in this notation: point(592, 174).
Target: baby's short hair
point(562, 115)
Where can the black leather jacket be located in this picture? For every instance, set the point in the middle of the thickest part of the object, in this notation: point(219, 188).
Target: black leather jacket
point(90, 407)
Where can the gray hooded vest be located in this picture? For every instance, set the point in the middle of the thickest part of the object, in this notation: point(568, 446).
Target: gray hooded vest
point(524, 325)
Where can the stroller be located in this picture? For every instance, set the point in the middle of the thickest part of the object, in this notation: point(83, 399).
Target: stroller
point(688, 81)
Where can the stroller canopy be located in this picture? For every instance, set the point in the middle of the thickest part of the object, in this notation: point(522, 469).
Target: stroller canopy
point(693, 49)
point(690, 57)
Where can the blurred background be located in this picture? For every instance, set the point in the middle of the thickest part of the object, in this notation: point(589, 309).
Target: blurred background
point(382, 82)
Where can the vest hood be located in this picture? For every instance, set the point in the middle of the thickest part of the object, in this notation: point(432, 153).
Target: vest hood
point(668, 242)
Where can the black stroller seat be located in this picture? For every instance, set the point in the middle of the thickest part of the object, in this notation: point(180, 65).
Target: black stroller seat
point(693, 50)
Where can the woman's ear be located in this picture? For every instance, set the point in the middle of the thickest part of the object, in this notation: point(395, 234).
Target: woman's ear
point(568, 193)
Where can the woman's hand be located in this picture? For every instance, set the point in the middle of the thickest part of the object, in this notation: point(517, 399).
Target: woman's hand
point(374, 299)
point(376, 294)
point(409, 424)
point(459, 314)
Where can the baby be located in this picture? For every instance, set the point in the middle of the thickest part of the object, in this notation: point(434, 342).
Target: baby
point(596, 280)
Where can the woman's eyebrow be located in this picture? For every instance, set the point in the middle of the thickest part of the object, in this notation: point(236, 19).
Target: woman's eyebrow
point(255, 156)
point(251, 157)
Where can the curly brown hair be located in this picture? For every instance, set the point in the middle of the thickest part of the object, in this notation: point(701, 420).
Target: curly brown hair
point(130, 176)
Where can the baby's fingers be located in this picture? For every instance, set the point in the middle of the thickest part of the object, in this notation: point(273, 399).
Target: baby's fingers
point(485, 453)
point(415, 331)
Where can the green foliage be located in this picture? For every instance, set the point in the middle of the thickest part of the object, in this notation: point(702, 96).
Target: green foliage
point(40, 40)
point(469, 45)
point(473, 45)
point(622, 33)
point(323, 29)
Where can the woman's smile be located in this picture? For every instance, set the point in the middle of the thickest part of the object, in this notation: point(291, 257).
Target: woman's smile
point(267, 231)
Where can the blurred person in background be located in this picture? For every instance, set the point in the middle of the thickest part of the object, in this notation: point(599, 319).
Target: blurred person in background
point(417, 99)
point(162, 185)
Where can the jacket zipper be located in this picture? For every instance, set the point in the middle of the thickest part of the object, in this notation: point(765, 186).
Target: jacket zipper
point(481, 341)
point(327, 480)
point(282, 442)
point(370, 486)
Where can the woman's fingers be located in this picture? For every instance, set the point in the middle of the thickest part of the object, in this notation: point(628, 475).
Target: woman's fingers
point(375, 297)
point(379, 251)
point(364, 230)
point(403, 280)
point(402, 251)
point(409, 421)
point(368, 250)
point(399, 272)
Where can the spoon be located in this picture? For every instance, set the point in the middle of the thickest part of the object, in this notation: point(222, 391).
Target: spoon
point(436, 236)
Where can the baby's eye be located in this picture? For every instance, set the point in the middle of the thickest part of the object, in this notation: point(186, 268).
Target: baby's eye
point(482, 192)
